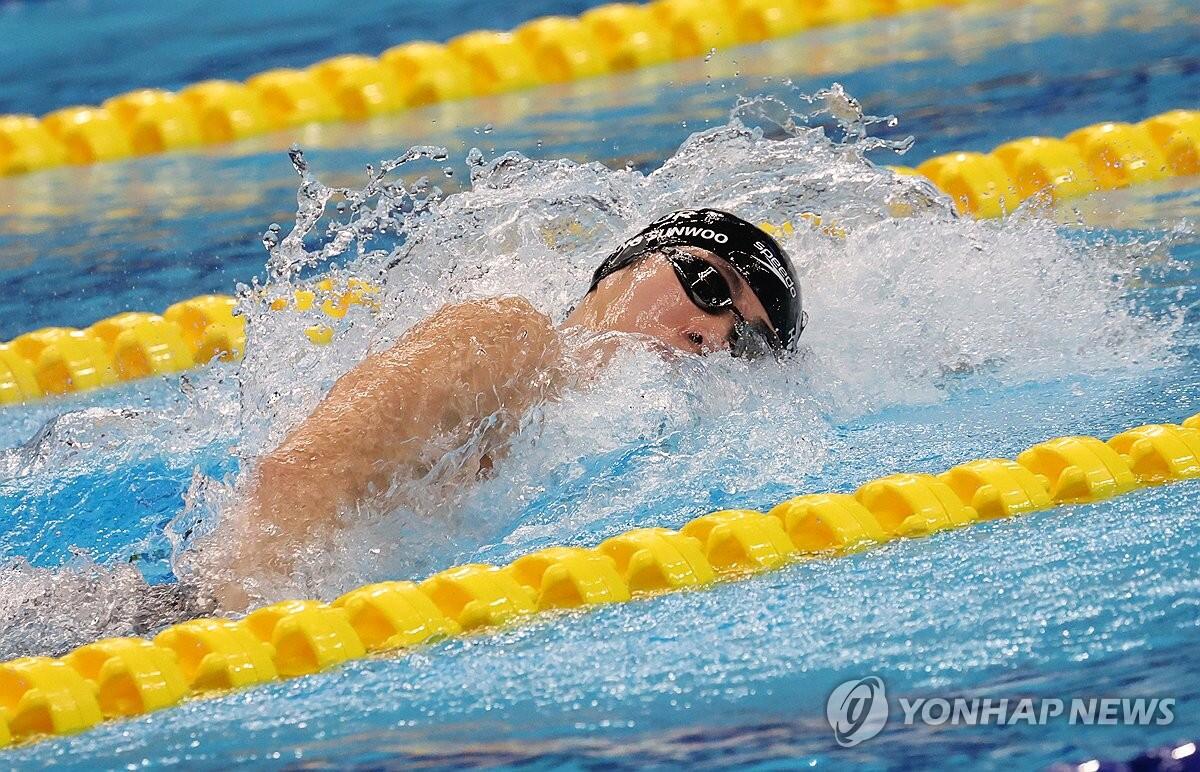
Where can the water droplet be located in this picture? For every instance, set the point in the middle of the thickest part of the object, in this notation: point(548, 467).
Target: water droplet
point(297, 157)
point(448, 171)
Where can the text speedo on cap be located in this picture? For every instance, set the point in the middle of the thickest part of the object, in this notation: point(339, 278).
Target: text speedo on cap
point(748, 249)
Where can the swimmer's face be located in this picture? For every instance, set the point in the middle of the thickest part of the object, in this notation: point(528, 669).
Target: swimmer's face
point(647, 299)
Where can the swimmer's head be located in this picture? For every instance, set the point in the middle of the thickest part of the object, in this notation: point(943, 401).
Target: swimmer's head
point(698, 280)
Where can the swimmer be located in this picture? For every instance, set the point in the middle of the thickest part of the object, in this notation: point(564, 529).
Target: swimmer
point(694, 281)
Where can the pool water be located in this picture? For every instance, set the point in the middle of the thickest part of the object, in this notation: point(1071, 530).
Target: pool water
point(934, 341)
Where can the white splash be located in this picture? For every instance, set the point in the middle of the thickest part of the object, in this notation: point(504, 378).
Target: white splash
point(905, 299)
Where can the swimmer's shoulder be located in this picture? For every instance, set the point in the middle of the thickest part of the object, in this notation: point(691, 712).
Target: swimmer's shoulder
point(502, 316)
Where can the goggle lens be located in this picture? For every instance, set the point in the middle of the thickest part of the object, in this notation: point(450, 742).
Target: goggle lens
point(703, 283)
point(708, 291)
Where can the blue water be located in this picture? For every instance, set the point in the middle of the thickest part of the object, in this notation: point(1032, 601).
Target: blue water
point(1079, 601)
point(1049, 605)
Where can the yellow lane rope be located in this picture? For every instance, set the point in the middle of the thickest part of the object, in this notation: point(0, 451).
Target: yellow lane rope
point(610, 38)
point(134, 344)
point(120, 677)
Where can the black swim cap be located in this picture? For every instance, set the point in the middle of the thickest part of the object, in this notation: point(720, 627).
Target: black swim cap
point(751, 252)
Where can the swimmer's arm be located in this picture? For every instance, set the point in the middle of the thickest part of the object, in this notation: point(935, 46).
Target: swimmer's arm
point(466, 363)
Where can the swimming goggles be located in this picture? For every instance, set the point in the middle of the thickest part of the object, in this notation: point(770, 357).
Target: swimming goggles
point(708, 291)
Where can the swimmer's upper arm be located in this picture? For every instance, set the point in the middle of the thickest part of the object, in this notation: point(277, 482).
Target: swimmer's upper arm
point(466, 362)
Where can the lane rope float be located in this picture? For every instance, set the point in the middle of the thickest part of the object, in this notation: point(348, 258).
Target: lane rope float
point(132, 345)
point(1102, 156)
point(610, 38)
point(120, 677)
